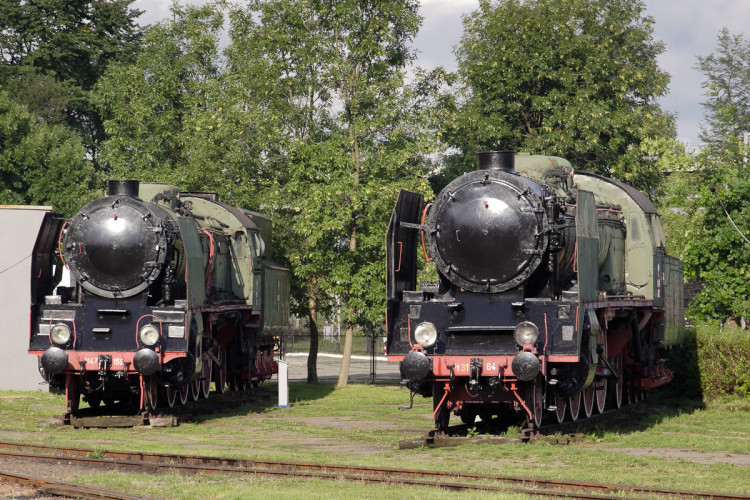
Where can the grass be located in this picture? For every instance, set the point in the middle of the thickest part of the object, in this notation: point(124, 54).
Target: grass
point(362, 424)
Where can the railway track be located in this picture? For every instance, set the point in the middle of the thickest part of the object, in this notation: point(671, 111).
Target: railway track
point(51, 487)
point(495, 431)
point(454, 481)
point(122, 416)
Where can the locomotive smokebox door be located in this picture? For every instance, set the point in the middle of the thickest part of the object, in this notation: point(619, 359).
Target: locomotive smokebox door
point(487, 231)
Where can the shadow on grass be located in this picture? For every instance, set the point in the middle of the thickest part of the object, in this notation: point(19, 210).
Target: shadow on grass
point(684, 394)
point(265, 397)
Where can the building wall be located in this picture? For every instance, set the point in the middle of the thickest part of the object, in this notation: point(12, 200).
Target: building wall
point(18, 369)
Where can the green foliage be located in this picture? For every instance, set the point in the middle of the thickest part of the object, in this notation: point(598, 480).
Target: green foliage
point(713, 362)
point(73, 39)
point(708, 223)
point(710, 201)
point(41, 164)
point(164, 113)
point(53, 52)
point(683, 361)
point(577, 79)
point(348, 134)
point(727, 71)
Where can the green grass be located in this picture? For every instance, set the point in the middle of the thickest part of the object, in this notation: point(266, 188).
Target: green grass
point(362, 424)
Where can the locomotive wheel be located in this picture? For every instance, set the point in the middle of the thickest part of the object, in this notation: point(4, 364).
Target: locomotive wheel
point(441, 413)
point(205, 379)
point(195, 388)
point(149, 393)
point(574, 403)
point(588, 400)
point(72, 393)
point(184, 392)
point(171, 394)
point(560, 407)
point(615, 390)
point(601, 394)
point(220, 373)
point(535, 402)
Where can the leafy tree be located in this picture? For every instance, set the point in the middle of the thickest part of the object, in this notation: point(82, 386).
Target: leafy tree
point(709, 223)
point(710, 200)
point(305, 115)
point(41, 164)
point(52, 52)
point(168, 116)
point(578, 79)
point(727, 71)
point(349, 134)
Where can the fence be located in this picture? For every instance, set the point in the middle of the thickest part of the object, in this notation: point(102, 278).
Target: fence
point(298, 340)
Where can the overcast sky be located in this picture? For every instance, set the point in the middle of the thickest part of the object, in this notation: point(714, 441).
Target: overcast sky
point(688, 28)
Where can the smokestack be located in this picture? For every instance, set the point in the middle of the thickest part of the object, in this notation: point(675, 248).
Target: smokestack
point(505, 160)
point(122, 187)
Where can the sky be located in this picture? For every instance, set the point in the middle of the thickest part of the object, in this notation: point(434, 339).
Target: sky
point(688, 28)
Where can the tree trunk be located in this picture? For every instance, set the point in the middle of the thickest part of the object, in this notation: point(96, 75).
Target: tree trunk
point(312, 358)
point(344, 371)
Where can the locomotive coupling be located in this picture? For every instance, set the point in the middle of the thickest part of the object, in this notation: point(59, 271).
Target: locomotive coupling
point(54, 360)
point(146, 362)
point(526, 366)
point(415, 365)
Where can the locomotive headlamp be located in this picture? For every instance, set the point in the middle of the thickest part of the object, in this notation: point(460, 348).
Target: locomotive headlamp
point(425, 334)
point(526, 333)
point(60, 334)
point(149, 335)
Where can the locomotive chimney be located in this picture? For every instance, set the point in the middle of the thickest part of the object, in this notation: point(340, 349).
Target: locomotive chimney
point(504, 160)
point(122, 187)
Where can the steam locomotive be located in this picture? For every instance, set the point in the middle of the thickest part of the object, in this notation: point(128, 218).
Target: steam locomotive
point(172, 291)
point(555, 294)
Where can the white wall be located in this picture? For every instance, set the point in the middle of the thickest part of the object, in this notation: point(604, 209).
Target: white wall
point(18, 369)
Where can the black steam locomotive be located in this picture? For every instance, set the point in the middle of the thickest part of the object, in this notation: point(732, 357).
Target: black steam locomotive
point(555, 292)
point(172, 291)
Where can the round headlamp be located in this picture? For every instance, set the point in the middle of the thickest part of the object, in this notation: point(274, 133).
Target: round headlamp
point(526, 333)
point(425, 334)
point(60, 334)
point(149, 335)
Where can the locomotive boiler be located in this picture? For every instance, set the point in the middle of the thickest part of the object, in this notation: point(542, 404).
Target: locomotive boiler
point(555, 292)
point(172, 291)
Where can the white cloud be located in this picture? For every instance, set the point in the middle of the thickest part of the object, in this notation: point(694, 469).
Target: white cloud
point(689, 28)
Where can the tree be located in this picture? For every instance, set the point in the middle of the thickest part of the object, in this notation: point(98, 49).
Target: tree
point(41, 164)
point(52, 52)
point(709, 221)
point(711, 199)
point(305, 116)
point(274, 53)
point(578, 79)
point(169, 117)
point(727, 71)
point(349, 134)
